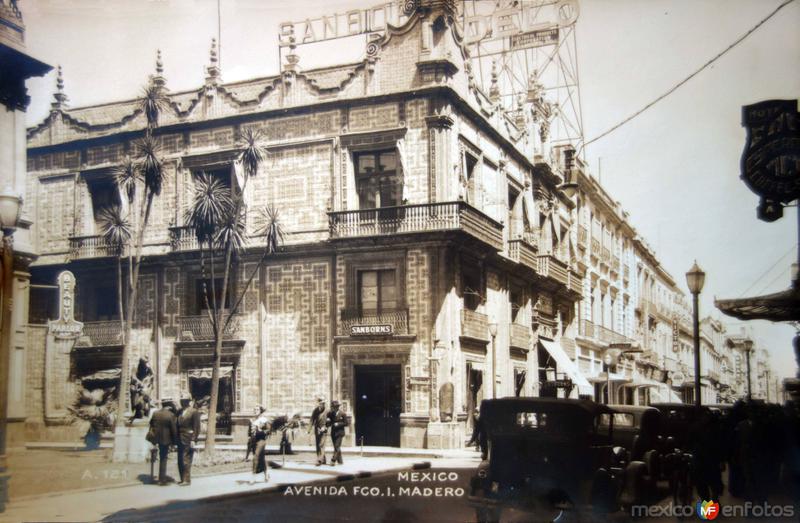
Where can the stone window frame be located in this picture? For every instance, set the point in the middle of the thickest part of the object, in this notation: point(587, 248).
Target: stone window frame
point(188, 305)
point(388, 262)
point(351, 144)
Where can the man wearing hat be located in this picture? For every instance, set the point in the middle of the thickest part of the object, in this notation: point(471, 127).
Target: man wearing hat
point(163, 425)
point(319, 424)
point(337, 421)
point(188, 433)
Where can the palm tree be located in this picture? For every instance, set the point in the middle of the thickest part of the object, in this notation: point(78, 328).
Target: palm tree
point(147, 171)
point(217, 216)
point(117, 234)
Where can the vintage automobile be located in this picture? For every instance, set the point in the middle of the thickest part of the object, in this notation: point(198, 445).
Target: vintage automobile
point(677, 419)
point(551, 451)
point(636, 428)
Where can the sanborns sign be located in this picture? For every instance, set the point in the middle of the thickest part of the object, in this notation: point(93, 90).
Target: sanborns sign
point(357, 21)
point(371, 330)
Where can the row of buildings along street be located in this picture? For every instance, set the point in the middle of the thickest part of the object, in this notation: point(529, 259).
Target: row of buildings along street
point(432, 257)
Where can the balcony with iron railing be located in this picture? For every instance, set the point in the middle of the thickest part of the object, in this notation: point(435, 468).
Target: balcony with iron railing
point(200, 328)
point(474, 325)
point(397, 319)
point(82, 247)
point(602, 334)
point(106, 333)
point(183, 239)
point(520, 336)
point(419, 218)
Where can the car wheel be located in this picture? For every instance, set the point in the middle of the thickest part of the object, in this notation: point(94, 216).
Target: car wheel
point(603, 495)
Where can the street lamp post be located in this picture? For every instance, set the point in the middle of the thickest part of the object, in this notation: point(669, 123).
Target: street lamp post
point(695, 279)
point(607, 363)
point(748, 348)
point(493, 333)
point(10, 205)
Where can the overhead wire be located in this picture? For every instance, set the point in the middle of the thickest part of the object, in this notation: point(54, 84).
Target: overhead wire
point(692, 75)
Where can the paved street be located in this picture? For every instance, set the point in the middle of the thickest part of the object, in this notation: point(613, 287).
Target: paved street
point(140, 501)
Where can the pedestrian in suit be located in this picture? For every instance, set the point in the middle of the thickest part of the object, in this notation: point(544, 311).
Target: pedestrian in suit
point(165, 427)
point(319, 424)
point(188, 433)
point(337, 421)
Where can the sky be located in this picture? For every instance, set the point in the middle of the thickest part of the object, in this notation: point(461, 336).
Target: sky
point(674, 168)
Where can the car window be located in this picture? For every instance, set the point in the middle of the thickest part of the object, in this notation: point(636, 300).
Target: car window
point(621, 419)
point(532, 419)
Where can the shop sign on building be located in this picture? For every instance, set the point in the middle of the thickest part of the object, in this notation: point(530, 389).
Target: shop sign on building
point(65, 327)
point(371, 330)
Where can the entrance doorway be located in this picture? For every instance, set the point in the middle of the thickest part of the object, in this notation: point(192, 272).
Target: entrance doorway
point(200, 391)
point(378, 404)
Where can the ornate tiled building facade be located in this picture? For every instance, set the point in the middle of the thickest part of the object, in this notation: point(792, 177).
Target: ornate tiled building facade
point(426, 263)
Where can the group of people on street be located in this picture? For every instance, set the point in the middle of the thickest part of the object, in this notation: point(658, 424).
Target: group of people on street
point(180, 429)
point(757, 441)
point(323, 421)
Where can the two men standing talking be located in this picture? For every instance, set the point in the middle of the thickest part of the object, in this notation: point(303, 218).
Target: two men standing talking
point(182, 430)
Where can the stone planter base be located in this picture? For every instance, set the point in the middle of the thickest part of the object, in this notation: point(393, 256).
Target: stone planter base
point(130, 445)
point(445, 435)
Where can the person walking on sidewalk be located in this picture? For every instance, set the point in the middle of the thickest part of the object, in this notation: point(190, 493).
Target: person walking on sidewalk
point(337, 420)
point(165, 428)
point(260, 429)
point(188, 433)
point(319, 425)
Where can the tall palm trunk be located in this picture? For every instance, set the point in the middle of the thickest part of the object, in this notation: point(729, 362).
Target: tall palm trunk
point(124, 379)
point(220, 324)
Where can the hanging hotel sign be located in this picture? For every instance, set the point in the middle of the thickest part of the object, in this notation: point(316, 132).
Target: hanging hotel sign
point(371, 330)
point(65, 327)
point(771, 158)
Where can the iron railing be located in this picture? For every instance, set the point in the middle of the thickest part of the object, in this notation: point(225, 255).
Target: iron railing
point(199, 328)
point(418, 218)
point(183, 239)
point(602, 334)
point(100, 334)
point(90, 247)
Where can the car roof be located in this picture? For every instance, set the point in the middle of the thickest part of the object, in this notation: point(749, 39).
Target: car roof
point(587, 406)
point(632, 408)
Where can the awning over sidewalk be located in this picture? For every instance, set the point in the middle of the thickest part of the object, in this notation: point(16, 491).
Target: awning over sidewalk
point(204, 373)
point(567, 366)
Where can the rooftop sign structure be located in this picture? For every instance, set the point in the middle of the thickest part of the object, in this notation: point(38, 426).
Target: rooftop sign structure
point(522, 54)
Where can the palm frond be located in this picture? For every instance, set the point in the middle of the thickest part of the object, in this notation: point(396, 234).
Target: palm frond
point(154, 101)
point(126, 175)
point(271, 228)
point(253, 150)
point(148, 154)
point(116, 229)
point(210, 209)
point(232, 231)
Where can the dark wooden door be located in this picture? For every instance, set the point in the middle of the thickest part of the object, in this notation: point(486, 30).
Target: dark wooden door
point(378, 405)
